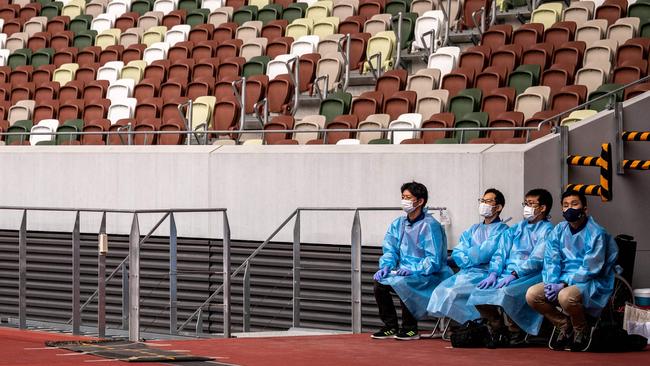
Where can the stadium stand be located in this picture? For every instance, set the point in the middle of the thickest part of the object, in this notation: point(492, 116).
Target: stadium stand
point(158, 53)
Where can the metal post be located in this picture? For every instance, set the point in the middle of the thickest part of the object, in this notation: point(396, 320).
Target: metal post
point(242, 100)
point(348, 39)
point(22, 273)
point(449, 20)
point(296, 271)
point(355, 254)
point(76, 278)
point(129, 137)
point(102, 246)
point(247, 298)
point(172, 274)
point(125, 296)
point(199, 323)
point(398, 44)
point(226, 276)
point(296, 82)
point(564, 153)
point(619, 144)
point(188, 115)
point(134, 281)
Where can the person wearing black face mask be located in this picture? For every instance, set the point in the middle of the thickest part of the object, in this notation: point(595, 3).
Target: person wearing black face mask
point(578, 275)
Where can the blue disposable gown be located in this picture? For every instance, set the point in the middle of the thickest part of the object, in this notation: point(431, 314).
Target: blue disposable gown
point(472, 255)
point(586, 259)
point(420, 247)
point(520, 249)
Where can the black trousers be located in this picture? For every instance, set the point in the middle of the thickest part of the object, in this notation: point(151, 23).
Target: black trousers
point(387, 312)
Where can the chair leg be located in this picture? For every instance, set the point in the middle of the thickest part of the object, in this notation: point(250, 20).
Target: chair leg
point(433, 332)
point(445, 336)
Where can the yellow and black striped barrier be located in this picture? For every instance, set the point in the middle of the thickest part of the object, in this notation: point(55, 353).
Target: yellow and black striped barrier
point(636, 164)
point(604, 189)
point(635, 136)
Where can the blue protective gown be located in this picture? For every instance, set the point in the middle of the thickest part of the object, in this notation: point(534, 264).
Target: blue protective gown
point(520, 249)
point(420, 247)
point(472, 255)
point(586, 259)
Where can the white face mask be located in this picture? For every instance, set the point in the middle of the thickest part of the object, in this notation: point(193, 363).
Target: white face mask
point(529, 213)
point(485, 210)
point(407, 206)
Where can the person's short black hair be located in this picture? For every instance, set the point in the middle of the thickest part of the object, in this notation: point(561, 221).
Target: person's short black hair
point(499, 198)
point(418, 190)
point(544, 197)
point(580, 195)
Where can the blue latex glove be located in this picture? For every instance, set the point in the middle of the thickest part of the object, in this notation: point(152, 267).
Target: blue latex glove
point(404, 272)
point(506, 281)
point(551, 290)
point(381, 274)
point(488, 282)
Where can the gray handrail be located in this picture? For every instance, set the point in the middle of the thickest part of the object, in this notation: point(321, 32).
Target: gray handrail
point(130, 288)
point(238, 269)
point(355, 269)
point(346, 58)
point(398, 44)
point(376, 73)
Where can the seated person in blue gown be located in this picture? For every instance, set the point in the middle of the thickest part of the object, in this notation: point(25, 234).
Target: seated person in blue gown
point(578, 275)
point(472, 255)
point(414, 261)
point(515, 266)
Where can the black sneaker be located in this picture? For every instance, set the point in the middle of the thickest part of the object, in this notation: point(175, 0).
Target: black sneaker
point(582, 340)
point(560, 339)
point(384, 333)
point(408, 335)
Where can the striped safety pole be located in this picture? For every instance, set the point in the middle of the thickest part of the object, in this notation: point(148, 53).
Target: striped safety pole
point(604, 162)
point(635, 136)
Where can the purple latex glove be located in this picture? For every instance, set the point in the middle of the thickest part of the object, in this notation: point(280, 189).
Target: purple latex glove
point(404, 272)
point(381, 274)
point(488, 282)
point(551, 290)
point(506, 281)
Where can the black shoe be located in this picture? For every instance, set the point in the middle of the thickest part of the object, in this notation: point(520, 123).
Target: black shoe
point(408, 335)
point(582, 340)
point(384, 333)
point(498, 339)
point(560, 339)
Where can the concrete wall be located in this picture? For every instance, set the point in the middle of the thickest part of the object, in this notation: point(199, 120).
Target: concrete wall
point(260, 185)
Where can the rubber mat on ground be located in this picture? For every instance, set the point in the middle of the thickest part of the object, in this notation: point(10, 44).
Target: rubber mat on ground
point(125, 350)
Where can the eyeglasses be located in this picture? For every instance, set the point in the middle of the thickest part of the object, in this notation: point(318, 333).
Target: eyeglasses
point(530, 204)
point(489, 202)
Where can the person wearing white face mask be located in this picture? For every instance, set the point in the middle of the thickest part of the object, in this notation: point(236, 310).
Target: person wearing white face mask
point(515, 266)
point(472, 255)
point(414, 261)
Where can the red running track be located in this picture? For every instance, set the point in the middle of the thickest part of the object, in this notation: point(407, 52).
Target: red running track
point(357, 350)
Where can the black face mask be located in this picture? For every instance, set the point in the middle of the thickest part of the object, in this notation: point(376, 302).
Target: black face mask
point(573, 214)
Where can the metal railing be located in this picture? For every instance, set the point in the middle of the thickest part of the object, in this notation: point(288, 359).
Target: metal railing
point(355, 265)
point(129, 268)
point(461, 130)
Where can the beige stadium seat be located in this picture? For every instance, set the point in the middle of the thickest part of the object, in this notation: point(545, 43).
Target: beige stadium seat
point(202, 109)
point(431, 102)
point(373, 121)
point(591, 31)
point(590, 76)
